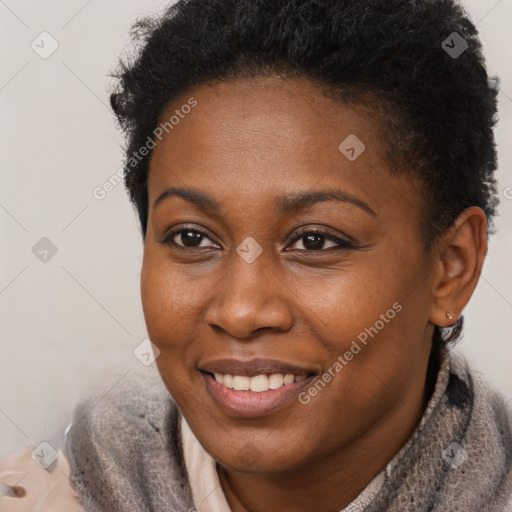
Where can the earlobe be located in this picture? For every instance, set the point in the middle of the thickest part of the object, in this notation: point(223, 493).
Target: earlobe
point(461, 253)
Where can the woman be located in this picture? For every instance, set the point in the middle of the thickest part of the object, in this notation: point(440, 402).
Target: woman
point(314, 181)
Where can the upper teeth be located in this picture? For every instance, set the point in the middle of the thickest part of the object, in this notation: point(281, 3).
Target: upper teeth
point(258, 383)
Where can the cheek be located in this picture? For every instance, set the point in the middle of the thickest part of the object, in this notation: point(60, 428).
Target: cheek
point(174, 302)
point(168, 304)
point(341, 306)
point(156, 301)
point(372, 326)
point(166, 300)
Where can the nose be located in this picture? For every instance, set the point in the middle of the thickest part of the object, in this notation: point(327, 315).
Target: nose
point(250, 297)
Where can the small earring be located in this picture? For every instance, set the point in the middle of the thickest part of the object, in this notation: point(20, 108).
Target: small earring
point(450, 317)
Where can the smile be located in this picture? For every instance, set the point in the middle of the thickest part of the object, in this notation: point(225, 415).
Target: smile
point(252, 389)
point(258, 383)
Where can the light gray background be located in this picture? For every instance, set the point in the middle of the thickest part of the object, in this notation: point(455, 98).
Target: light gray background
point(75, 320)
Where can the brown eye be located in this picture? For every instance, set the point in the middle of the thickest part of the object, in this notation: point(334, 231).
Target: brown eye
point(320, 240)
point(187, 238)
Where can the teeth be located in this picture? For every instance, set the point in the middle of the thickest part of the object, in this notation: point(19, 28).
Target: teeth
point(227, 381)
point(288, 379)
point(258, 383)
point(241, 383)
point(275, 380)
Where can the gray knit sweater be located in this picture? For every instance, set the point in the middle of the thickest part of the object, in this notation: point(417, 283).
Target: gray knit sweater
point(125, 452)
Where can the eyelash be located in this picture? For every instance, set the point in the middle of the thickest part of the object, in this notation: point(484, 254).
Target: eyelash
point(167, 239)
point(168, 236)
point(342, 244)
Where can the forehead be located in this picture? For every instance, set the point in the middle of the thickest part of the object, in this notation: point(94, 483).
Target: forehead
point(270, 135)
point(280, 112)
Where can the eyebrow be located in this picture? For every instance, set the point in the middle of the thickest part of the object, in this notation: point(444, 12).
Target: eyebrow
point(301, 201)
point(283, 204)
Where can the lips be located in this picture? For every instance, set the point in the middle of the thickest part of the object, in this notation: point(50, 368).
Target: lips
point(252, 367)
point(256, 387)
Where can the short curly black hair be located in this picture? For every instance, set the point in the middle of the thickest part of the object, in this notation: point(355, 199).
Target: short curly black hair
point(418, 63)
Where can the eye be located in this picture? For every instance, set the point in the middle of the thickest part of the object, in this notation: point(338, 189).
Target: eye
point(187, 238)
point(318, 240)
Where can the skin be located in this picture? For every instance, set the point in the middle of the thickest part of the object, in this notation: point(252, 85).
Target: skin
point(245, 143)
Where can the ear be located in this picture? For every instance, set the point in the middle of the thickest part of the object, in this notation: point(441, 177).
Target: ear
point(460, 254)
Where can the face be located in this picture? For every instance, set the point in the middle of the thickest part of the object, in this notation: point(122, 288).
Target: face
point(278, 262)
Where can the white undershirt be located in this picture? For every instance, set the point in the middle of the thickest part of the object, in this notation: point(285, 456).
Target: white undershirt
point(206, 489)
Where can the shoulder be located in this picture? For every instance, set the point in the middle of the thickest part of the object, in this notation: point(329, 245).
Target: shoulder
point(488, 431)
point(124, 445)
point(135, 405)
point(469, 386)
point(25, 486)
